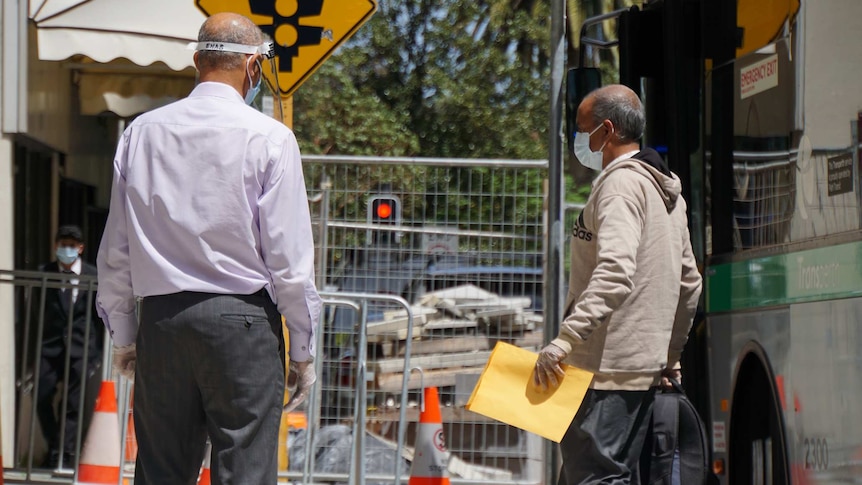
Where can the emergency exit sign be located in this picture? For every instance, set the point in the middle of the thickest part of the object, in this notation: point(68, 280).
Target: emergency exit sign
point(758, 77)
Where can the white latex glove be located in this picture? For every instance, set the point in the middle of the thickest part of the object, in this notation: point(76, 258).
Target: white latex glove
point(123, 361)
point(548, 372)
point(299, 381)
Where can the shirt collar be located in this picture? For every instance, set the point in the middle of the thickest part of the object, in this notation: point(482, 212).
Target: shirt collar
point(216, 89)
point(624, 156)
point(76, 267)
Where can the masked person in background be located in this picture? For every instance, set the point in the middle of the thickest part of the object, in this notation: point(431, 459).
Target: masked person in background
point(633, 291)
point(209, 226)
point(60, 305)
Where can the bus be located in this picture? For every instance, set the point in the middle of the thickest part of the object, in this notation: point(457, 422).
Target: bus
point(758, 107)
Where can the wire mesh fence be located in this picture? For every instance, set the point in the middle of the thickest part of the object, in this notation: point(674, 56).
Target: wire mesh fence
point(462, 242)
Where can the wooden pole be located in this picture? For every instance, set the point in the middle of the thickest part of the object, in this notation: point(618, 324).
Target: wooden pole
point(287, 109)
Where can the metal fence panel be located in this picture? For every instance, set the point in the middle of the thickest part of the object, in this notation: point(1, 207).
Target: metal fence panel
point(57, 370)
point(467, 255)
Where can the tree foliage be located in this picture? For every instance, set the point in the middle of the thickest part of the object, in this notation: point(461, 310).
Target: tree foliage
point(424, 78)
point(465, 79)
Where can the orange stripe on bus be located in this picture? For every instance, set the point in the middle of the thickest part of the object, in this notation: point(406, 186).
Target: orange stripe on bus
point(779, 383)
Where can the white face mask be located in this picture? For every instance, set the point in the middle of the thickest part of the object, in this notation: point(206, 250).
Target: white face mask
point(587, 157)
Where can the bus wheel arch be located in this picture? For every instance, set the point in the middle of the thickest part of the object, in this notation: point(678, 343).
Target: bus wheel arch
point(757, 450)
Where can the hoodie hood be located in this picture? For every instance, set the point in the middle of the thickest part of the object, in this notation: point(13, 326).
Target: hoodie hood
point(653, 159)
point(650, 164)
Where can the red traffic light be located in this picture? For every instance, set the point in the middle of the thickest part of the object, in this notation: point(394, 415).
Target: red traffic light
point(384, 210)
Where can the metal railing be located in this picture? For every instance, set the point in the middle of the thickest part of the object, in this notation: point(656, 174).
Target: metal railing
point(31, 289)
point(356, 474)
point(394, 306)
point(53, 352)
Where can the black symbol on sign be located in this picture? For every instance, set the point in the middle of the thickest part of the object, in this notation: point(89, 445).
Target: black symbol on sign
point(305, 35)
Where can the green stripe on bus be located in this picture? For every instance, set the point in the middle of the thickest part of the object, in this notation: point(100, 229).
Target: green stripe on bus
point(811, 275)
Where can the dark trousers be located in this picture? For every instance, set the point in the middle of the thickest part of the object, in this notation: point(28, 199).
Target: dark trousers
point(208, 365)
point(603, 444)
point(51, 374)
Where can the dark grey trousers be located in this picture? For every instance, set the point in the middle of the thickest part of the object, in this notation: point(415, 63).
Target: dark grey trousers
point(603, 444)
point(208, 365)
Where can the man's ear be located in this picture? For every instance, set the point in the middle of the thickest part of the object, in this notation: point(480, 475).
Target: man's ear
point(610, 127)
point(258, 61)
point(195, 57)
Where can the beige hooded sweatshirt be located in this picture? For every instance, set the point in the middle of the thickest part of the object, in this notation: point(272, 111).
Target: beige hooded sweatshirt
point(634, 283)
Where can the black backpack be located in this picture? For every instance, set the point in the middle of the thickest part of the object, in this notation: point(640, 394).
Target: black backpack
point(676, 449)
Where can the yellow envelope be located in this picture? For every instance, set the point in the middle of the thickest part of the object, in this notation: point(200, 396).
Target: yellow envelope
point(505, 392)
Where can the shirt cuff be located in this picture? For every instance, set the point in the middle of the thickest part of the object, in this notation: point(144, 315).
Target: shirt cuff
point(123, 328)
point(563, 344)
point(301, 346)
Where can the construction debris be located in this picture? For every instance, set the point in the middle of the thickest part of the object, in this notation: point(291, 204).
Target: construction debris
point(454, 331)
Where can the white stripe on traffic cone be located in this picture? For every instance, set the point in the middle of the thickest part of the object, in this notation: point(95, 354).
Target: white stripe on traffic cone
point(204, 476)
point(101, 456)
point(430, 459)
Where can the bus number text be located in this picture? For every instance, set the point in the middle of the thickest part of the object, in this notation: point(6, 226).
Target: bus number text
point(816, 453)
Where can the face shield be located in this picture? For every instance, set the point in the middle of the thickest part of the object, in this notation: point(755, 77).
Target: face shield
point(267, 57)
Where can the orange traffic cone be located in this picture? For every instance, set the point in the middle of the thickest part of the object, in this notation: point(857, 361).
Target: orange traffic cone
point(204, 476)
point(430, 459)
point(101, 456)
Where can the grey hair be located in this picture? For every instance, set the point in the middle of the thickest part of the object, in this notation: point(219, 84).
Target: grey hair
point(242, 32)
point(623, 109)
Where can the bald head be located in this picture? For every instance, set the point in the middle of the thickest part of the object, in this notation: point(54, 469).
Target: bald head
point(622, 107)
point(227, 27)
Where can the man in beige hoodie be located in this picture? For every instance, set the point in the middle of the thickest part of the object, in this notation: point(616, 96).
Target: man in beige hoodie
point(633, 292)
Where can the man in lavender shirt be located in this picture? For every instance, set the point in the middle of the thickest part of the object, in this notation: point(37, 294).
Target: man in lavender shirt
point(209, 228)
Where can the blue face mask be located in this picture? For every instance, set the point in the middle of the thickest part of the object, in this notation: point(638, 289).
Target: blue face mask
point(252, 91)
point(67, 254)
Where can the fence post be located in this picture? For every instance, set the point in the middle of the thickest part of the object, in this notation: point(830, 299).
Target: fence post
point(7, 369)
point(554, 242)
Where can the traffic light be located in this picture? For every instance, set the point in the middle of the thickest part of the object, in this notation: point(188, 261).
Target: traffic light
point(384, 210)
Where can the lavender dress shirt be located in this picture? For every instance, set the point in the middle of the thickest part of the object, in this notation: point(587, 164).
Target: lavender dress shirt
point(208, 196)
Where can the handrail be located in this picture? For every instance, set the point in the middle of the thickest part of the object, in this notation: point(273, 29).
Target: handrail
point(308, 466)
point(603, 44)
point(429, 162)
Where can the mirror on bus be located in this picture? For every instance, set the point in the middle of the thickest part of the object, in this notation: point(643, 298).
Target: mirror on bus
point(580, 81)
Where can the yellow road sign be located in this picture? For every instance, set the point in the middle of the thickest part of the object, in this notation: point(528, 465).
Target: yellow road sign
point(305, 32)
